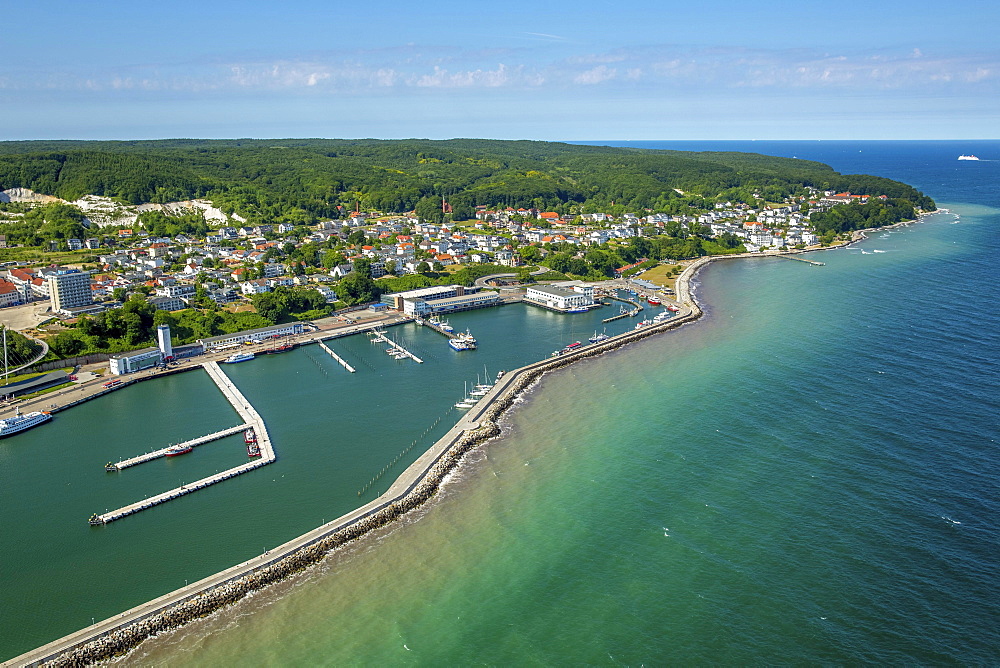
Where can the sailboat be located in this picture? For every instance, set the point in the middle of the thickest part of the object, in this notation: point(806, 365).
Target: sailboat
point(468, 401)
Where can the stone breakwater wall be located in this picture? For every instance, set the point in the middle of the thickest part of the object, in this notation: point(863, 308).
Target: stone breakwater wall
point(136, 626)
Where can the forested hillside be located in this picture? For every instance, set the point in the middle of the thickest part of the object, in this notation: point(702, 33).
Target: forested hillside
point(302, 180)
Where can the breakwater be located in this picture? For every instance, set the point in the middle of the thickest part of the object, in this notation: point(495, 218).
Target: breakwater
point(414, 487)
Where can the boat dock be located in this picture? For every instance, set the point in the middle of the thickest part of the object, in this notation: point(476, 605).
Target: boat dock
point(436, 327)
point(624, 314)
point(335, 356)
point(802, 259)
point(156, 454)
point(379, 336)
point(249, 416)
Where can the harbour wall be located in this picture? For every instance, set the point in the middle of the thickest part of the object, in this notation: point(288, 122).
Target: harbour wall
point(418, 484)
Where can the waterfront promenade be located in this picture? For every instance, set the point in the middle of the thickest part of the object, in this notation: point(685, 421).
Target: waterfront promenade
point(60, 400)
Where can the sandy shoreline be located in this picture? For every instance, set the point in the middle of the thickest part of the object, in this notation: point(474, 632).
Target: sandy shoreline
point(413, 488)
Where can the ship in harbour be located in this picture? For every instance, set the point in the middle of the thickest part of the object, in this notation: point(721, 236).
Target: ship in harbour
point(19, 422)
point(463, 342)
point(238, 357)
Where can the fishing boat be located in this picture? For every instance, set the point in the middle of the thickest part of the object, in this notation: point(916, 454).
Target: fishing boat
point(597, 338)
point(250, 436)
point(653, 300)
point(671, 307)
point(18, 422)
point(176, 450)
point(442, 324)
point(463, 342)
point(238, 357)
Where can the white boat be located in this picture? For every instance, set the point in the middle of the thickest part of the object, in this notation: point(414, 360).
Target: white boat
point(597, 338)
point(238, 357)
point(967, 157)
point(18, 422)
point(463, 342)
point(442, 324)
point(468, 401)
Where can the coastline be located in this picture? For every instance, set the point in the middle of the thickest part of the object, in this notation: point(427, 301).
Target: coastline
point(414, 487)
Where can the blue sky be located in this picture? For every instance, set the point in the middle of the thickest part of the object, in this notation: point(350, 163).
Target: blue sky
point(554, 70)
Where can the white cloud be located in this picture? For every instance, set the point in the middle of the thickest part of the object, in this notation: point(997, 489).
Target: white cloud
point(558, 68)
point(597, 75)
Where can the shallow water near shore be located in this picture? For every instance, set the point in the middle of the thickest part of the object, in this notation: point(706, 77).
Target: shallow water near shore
point(806, 474)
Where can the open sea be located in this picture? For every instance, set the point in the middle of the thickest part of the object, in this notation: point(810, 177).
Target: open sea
point(807, 475)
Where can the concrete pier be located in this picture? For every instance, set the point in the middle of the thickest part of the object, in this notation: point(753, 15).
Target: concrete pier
point(437, 328)
point(335, 356)
point(381, 337)
point(802, 259)
point(250, 417)
point(162, 452)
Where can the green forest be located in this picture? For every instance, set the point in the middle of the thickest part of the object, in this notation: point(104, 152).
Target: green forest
point(303, 180)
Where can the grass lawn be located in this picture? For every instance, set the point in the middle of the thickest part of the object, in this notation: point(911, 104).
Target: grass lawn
point(658, 275)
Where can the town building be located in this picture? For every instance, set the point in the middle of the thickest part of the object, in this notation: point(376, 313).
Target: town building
point(561, 296)
point(137, 360)
point(69, 287)
point(396, 299)
point(252, 336)
point(424, 307)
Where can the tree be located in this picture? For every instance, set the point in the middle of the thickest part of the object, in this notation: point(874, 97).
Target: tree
point(530, 254)
point(423, 267)
point(357, 288)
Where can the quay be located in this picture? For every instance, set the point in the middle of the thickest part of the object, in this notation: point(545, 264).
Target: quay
point(379, 336)
point(162, 452)
point(335, 356)
point(250, 418)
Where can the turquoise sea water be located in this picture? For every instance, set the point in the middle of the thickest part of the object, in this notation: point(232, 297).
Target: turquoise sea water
point(807, 474)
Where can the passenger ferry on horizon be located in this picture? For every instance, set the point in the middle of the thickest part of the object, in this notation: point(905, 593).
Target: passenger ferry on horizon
point(967, 157)
point(238, 357)
point(18, 422)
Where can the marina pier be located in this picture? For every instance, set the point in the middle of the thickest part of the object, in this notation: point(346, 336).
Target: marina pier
point(335, 356)
point(250, 417)
point(379, 336)
point(162, 452)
